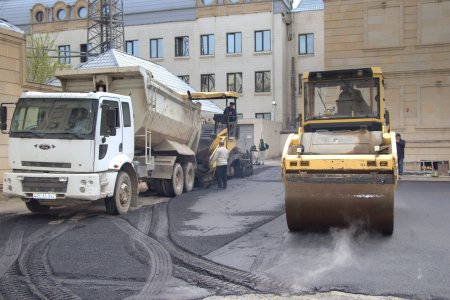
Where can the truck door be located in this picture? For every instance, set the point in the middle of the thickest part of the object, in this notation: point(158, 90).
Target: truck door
point(108, 144)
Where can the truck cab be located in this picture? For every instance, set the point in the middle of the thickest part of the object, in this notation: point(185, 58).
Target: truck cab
point(71, 146)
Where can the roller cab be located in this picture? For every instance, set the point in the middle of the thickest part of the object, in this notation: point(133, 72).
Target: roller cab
point(341, 167)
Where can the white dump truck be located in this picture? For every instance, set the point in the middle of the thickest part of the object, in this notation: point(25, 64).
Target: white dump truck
point(129, 132)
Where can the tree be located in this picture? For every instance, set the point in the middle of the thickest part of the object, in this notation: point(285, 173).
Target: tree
point(42, 58)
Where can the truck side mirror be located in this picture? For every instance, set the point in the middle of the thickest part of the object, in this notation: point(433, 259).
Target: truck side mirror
point(111, 121)
point(3, 118)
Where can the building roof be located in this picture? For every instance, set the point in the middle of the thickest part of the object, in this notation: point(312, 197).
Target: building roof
point(307, 5)
point(17, 12)
point(7, 26)
point(115, 58)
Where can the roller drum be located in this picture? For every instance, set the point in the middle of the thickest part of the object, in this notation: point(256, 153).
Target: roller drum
point(317, 204)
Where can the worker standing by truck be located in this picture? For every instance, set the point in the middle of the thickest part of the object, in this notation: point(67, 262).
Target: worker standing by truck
point(220, 156)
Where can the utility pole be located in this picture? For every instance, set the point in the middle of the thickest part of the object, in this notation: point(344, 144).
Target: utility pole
point(105, 26)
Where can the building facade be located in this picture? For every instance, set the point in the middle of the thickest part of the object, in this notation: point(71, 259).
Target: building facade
point(251, 46)
point(12, 77)
point(410, 41)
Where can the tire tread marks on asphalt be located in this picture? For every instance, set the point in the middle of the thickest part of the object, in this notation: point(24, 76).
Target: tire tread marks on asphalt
point(241, 281)
point(34, 265)
point(160, 263)
point(12, 249)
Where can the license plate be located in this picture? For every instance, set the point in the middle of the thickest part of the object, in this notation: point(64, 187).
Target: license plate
point(44, 196)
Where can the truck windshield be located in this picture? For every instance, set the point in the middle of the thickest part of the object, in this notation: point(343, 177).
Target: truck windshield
point(346, 98)
point(46, 118)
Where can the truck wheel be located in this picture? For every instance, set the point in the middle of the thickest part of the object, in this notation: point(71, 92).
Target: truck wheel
point(120, 202)
point(36, 207)
point(176, 183)
point(189, 176)
point(159, 187)
point(230, 171)
point(238, 169)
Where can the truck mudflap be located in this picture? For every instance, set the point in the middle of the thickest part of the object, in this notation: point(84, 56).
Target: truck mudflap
point(317, 202)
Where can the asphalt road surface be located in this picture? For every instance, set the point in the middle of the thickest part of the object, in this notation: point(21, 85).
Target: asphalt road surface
point(214, 243)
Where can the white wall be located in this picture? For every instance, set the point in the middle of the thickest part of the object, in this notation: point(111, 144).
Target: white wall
point(268, 130)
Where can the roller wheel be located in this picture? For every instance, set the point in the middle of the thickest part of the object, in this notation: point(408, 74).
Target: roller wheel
point(189, 176)
point(120, 202)
point(36, 207)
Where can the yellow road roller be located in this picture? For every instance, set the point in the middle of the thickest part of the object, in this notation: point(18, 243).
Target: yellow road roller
point(341, 167)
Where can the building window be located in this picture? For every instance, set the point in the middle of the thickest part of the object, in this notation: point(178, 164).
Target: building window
point(156, 48)
point(240, 116)
point(82, 12)
point(207, 2)
point(132, 47)
point(265, 116)
point(182, 46)
point(306, 43)
point(262, 81)
point(83, 53)
point(234, 82)
point(234, 42)
point(40, 16)
point(61, 14)
point(262, 40)
point(185, 78)
point(207, 82)
point(207, 44)
point(64, 54)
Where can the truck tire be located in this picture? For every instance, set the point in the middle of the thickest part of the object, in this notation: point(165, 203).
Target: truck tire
point(120, 202)
point(231, 171)
point(176, 183)
point(189, 176)
point(238, 169)
point(36, 207)
point(160, 187)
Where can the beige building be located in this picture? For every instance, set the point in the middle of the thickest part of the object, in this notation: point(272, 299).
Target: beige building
point(410, 41)
point(12, 77)
point(248, 46)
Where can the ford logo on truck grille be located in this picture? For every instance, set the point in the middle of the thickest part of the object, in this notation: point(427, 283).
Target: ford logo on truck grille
point(44, 146)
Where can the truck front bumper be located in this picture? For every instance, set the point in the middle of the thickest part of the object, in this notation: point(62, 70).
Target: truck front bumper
point(53, 186)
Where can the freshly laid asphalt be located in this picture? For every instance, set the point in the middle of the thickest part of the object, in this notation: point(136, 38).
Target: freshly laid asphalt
point(83, 252)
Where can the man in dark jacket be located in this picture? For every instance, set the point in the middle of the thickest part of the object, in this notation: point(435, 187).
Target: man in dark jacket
point(400, 152)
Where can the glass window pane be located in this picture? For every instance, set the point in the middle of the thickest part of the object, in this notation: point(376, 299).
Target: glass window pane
point(238, 41)
point(160, 48)
point(211, 44)
point(310, 43)
point(266, 81)
point(239, 83)
point(302, 44)
point(258, 41)
point(126, 114)
point(230, 81)
point(266, 40)
point(230, 43)
point(186, 46)
point(258, 82)
point(153, 49)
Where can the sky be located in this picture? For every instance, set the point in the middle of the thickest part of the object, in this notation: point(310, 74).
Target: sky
point(296, 2)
